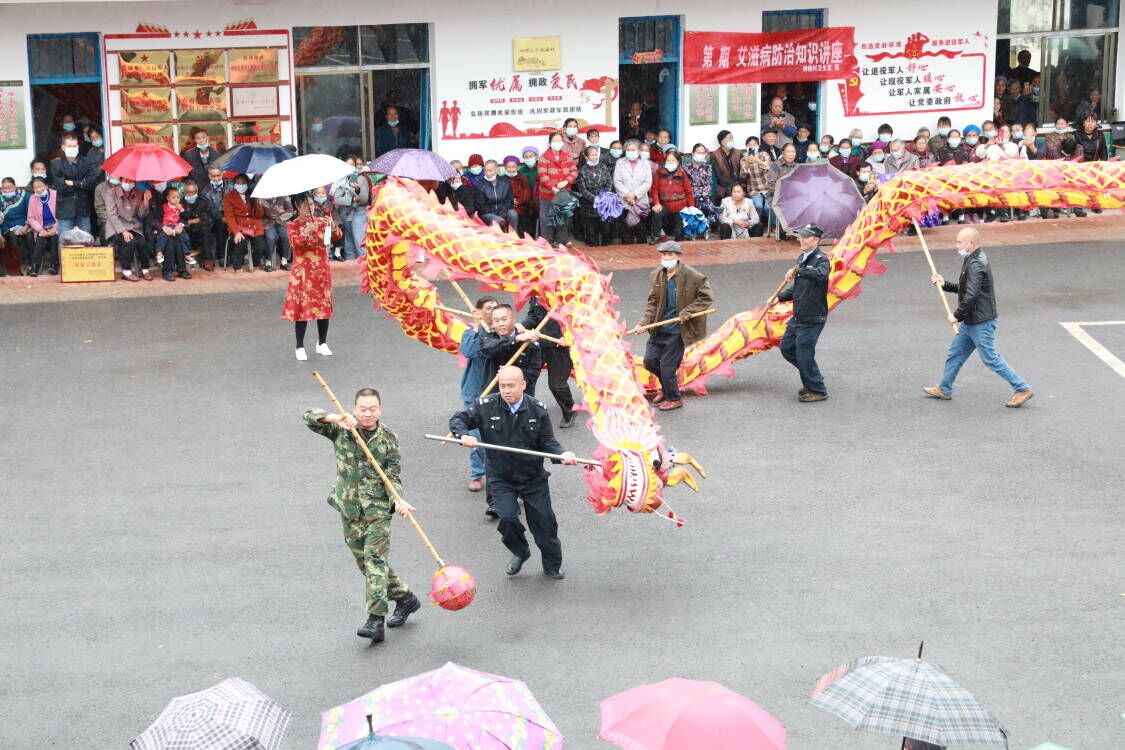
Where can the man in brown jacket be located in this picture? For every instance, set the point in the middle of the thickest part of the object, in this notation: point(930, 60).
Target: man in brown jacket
point(678, 291)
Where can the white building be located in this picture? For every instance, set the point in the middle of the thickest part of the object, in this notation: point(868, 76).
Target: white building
point(468, 72)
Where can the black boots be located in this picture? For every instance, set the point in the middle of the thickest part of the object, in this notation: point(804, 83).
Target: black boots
point(404, 607)
point(372, 629)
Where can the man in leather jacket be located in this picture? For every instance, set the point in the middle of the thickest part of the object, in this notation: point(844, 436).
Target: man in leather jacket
point(976, 314)
point(809, 294)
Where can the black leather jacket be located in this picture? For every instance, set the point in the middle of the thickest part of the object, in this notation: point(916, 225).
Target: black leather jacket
point(976, 296)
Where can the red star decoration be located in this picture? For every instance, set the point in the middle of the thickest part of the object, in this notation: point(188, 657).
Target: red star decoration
point(198, 34)
point(176, 34)
point(144, 58)
point(208, 33)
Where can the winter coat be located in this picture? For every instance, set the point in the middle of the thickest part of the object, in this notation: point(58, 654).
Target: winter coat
point(590, 183)
point(555, 167)
point(672, 190)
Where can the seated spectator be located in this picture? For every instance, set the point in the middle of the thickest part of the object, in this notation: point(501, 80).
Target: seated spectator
point(44, 223)
point(725, 164)
point(737, 215)
point(245, 221)
point(812, 153)
point(1052, 142)
point(845, 159)
point(1091, 142)
point(616, 151)
point(572, 142)
point(475, 171)
point(662, 146)
point(197, 221)
point(827, 147)
point(758, 180)
point(898, 159)
point(989, 130)
point(858, 146)
point(594, 178)
point(172, 240)
point(632, 179)
point(786, 164)
point(493, 199)
point(38, 169)
point(521, 192)
point(922, 151)
point(529, 170)
point(1092, 104)
point(456, 191)
point(865, 181)
point(650, 140)
point(886, 135)
point(944, 128)
point(753, 145)
point(876, 160)
point(126, 207)
point(770, 144)
point(972, 140)
point(1030, 148)
point(279, 212)
point(951, 152)
point(14, 228)
point(671, 192)
point(392, 133)
point(704, 183)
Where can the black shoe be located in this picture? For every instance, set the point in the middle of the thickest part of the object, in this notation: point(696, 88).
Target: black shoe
point(653, 240)
point(32, 272)
point(568, 421)
point(52, 271)
point(490, 511)
point(404, 607)
point(372, 629)
point(558, 575)
point(185, 275)
point(169, 276)
point(515, 565)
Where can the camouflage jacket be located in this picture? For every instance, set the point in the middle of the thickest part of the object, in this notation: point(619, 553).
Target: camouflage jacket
point(358, 490)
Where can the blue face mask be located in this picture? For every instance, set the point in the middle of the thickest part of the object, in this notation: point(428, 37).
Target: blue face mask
point(393, 123)
point(668, 263)
point(591, 163)
point(475, 170)
point(240, 188)
point(189, 199)
point(616, 153)
point(68, 127)
point(964, 253)
point(8, 194)
point(321, 199)
point(96, 142)
point(531, 162)
point(863, 176)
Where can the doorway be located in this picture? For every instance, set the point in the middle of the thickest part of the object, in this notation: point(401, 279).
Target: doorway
point(649, 73)
point(65, 79)
point(802, 99)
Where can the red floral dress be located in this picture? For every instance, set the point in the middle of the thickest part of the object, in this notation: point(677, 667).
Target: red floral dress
point(310, 279)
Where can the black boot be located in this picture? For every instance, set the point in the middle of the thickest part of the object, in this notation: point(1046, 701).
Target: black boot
point(372, 629)
point(404, 607)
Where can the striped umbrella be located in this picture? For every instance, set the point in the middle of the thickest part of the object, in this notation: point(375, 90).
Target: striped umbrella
point(232, 715)
point(909, 698)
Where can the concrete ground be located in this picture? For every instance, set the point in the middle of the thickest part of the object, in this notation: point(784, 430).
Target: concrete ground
point(164, 521)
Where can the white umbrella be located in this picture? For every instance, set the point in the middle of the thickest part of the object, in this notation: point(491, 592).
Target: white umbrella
point(300, 174)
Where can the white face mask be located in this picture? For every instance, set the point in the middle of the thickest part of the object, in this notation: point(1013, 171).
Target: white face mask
point(70, 152)
point(671, 166)
point(572, 132)
point(646, 155)
point(556, 145)
point(728, 145)
point(699, 158)
point(964, 253)
point(632, 155)
point(668, 263)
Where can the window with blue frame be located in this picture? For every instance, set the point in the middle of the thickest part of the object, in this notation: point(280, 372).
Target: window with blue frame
point(64, 58)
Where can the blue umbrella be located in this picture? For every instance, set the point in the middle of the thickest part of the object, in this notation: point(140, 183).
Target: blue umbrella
point(380, 742)
point(252, 158)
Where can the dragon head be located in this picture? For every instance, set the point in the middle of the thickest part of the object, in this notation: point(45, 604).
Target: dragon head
point(636, 479)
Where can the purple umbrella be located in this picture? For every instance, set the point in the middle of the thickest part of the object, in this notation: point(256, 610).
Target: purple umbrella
point(819, 194)
point(414, 163)
point(461, 707)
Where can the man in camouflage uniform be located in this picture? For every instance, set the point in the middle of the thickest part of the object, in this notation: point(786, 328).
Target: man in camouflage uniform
point(365, 506)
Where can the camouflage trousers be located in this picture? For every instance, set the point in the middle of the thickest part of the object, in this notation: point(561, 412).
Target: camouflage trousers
point(369, 539)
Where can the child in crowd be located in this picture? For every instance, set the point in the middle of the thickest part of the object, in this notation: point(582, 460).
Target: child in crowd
point(172, 243)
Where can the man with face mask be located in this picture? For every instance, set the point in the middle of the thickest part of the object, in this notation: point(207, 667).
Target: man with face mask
point(392, 134)
point(898, 159)
point(493, 198)
point(200, 155)
point(677, 291)
point(976, 316)
point(809, 294)
point(74, 179)
point(211, 195)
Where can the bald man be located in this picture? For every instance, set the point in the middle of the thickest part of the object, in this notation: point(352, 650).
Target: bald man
point(976, 314)
point(516, 420)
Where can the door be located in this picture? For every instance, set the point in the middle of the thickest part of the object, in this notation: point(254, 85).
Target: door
point(65, 79)
point(803, 99)
point(649, 70)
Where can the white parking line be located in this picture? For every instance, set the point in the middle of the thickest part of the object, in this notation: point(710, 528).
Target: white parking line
point(1105, 355)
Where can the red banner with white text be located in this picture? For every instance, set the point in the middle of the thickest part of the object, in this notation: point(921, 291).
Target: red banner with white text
point(779, 57)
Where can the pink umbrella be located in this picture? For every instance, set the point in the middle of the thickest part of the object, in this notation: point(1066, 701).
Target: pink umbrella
point(687, 715)
point(462, 707)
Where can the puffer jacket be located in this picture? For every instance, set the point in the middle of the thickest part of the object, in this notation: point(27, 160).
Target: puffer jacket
point(672, 190)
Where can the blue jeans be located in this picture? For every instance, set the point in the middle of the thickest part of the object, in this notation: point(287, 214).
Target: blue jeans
point(981, 337)
point(476, 455)
point(355, 227)
point(277, 240)
point(82, 222)
point(762, 206)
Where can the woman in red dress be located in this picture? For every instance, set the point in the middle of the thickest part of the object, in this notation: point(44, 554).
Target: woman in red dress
point(310, 279)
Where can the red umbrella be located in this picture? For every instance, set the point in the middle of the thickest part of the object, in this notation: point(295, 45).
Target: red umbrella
point(146, 161)
point(687, 715)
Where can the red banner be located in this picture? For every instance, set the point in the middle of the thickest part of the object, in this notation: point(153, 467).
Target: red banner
point(780, 57)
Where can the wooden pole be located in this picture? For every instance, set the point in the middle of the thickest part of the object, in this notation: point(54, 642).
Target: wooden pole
point(659, 323)
point(933, 269)
point(770, 301)
point(379, 469)
point(454, 311)
point(460, 292)
point(512, 361)
point(506, 449)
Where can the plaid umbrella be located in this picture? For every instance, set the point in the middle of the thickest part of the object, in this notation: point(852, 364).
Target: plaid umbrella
point(233, 715)
point(906, 697)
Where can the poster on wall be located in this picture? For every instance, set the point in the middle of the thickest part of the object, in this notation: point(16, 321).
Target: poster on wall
point(253, 66)
point(259, 131)
point(535, 54)
point(217, 131)
point(13, 127)
point(201, 67)
point(146, 105)
point(201, 103)
point(703, 105)
point(742, 102)
point(498, 104)
point(775, 57)
point(896, 75)
point(254, 101)
point(143, 68)
point(161, 135)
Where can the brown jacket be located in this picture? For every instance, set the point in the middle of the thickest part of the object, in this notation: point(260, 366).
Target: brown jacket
point(693, 294)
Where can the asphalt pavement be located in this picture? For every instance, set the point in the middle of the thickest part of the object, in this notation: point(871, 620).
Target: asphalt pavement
point(164, 522)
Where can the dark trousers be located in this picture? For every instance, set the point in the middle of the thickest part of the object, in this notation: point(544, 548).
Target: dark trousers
point(669, 221)
point(24, 244)
point(45, 248)
point(556, 235)
point(175, 248)
point(218, 234)
point(663, 355)
point(135, 248)
point(237, 252)
point(536, 497)
point(558, 376)
point(798, 346)
point(200, 236)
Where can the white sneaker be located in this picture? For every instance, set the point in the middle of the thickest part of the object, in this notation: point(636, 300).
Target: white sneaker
point(301, 356)
point(160, 258)
point(323, 350)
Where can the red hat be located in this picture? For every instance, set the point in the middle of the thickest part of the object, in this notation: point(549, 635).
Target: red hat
point(476, 160)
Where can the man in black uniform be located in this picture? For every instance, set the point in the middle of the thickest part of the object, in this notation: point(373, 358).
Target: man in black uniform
point(557, 359)
point(810, 311)
point(501, 343)
point(516, 420)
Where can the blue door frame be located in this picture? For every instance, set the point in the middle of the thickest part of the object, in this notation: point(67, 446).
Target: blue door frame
point(792, 20)
point(646, 34)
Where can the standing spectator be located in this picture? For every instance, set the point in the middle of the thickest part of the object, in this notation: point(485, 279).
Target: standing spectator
point(1011, 104)
point(703, 183)
point(279, 212)
point(68, 127)
point(572, 142)
point(899, 159)
point(405, 114)
point(632, 179)
point(197, 219)
point(866, 182)
point(860, 148)
point(758, 178)
point(529, 170)
point(671, 192)
point(200, 156)
point(594, 138)
point(458, 192)
point(1090, 140)
point(172, 239)
point(73, 180)
point(557, 171)
point(44, 223)
point(594, 178)
point(650, 117)
point(662, 146)
point(1023, 72)
point(494, 199)
point(809, 294)
point(95, 155)
point(555, 357)
point(212, 193)
point(521, 193)
point(126, 207)
point(738, 215)
point(473, 383)
point(846, 159)
point(799, 105)
point(725, 163)
point(351, 196)
point(14, 228)
point(944, 128)
point(779, 121)
point(245, 224)
point(309, 296)
point(1091, 105)
point(392, 134)
point(632, 127)
point(886, 135)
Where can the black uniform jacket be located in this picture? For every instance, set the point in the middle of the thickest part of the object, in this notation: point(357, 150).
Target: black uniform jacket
point(499, 349)
point(529, 427)
point(810, 289)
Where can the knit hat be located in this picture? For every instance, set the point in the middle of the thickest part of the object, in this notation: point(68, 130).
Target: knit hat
point(511, 159)
point(532, 149)
point(476, 160)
